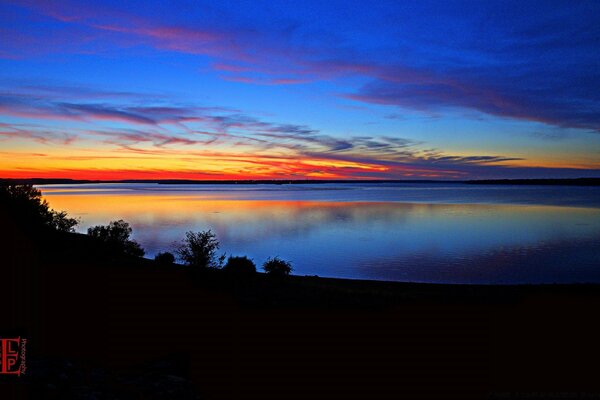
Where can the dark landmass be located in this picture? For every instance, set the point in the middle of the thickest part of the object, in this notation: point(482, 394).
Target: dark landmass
point(562, 182)
point(558, 182)
point(101, 324)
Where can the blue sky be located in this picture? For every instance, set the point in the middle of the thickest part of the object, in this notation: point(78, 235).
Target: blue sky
point(292, 90)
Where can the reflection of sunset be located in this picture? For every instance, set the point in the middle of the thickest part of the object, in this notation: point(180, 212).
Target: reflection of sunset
point(362, 238)
point(84, 201)
point(140, 204)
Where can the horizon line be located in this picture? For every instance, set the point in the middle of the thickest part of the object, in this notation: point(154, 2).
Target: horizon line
point(40, 181)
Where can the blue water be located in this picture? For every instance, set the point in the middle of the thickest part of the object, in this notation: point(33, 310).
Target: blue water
point(407, 232)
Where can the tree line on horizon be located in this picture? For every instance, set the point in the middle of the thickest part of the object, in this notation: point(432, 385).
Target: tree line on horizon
point(197, 250)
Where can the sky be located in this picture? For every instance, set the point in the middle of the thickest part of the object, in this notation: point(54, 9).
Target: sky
point(299, 89)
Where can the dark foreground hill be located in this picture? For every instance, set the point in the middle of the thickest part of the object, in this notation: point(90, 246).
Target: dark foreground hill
point(102, 325)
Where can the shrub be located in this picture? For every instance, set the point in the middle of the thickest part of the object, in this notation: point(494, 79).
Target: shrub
point(278, 267)
point(240, 265)
point(116, 234)
point(25, 203)
point(199, 249)
point(61, 222)
point(165, 258)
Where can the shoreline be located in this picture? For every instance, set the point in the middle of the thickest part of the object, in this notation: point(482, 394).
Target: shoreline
point(320, 291)
point(112, 319)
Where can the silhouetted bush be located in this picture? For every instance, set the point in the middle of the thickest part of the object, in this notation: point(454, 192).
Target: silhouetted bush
point(116, 234)
point(165, 258)
point(240, 265)
point(199, 249)
point(25, 204)
point(278, 267)
point(62, 222)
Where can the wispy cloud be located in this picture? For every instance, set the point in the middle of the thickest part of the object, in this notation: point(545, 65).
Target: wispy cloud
point(539, 65)
point(36, 133)
point(221, 139)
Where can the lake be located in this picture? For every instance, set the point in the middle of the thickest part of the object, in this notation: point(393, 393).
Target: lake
point(446, 233)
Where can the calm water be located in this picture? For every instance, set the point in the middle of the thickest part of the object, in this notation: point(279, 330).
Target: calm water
point(406, 232)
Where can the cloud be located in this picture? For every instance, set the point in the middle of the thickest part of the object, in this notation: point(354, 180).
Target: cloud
point(50, 104)
point(37, 134)
point(233, 142)
point(535, 62)
point(519, 103)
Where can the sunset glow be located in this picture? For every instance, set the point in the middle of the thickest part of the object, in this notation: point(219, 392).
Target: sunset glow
point(113, 90)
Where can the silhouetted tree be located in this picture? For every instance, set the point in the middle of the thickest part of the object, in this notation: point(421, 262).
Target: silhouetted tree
point(62, 222)
point(278, 267)
point(116, 234)
point(199, 249)
point(25, 203)
point(240, 265)
point(165, 258)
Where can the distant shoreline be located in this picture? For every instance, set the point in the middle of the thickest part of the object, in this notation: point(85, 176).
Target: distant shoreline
point(538, 182)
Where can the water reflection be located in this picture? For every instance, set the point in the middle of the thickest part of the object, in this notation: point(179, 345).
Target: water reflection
point(364, 239)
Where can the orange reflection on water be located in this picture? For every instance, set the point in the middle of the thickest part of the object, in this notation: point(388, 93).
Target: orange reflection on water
point(374, 239)
point(229, 212)
point(149, 208)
